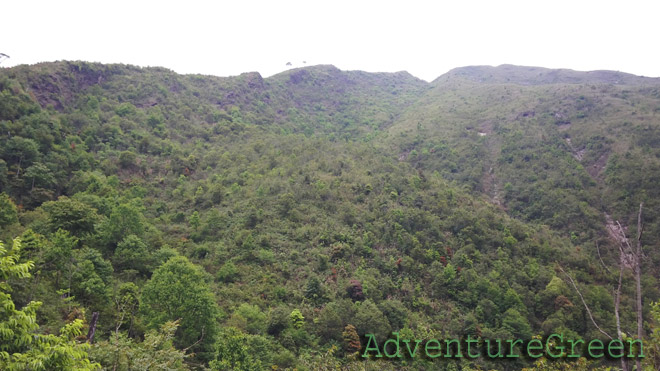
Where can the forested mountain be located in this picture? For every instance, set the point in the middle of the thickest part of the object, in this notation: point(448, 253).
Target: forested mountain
point(250, 223)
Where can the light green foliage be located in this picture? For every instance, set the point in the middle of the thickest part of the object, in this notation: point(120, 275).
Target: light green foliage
point(249, 318)
point(156, 352)
point(516, 324)
point(179, 290)
point(234, 353)
point(82, 271)
point(125, 219)
point(9, 266)
point(21, 346)
point(21, 152)
point(132, 253)
point(90, 280)
point(297, 319)
point(58, 256)
point(194, 220)
point(228, 272)
point(127, 304)
point(652, 345)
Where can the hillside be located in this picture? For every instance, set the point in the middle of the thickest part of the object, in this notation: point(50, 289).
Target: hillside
point(307, 209)
point(546, 149)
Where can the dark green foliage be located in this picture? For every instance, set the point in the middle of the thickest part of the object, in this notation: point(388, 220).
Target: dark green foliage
point(228, 272)
point(369, 319)
point(70, 215)
point(8, 215)
point(314, 291)
point(127, 159)
point(319, 199)
point(278, 320)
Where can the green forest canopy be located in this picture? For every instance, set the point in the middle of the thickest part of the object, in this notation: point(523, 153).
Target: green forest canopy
point(245, 222)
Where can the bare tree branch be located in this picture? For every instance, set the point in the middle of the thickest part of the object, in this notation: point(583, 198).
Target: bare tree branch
point(617, 301)
point(585, 303)
point(638, 280)
point(601, 258)
point(185, 350)
point(625, 239)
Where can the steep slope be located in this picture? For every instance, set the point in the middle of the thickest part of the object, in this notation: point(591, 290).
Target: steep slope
point(559, 147)
point(338, 197)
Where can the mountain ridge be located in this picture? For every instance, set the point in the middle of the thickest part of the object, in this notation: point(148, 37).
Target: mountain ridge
point(521, 74)
point(530, 75)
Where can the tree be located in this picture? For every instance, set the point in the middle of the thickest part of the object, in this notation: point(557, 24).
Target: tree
point(297, 319)
point(156, 352)
point(354, 290)
point(127, 159)
point(278, 320)
point(652, 345)
point(132, 253)
point(3, 172)
point(127, 303)
point(21, 152)
point(21, 346)
point(233, 353)
point(329, 323)
point(70, 215)
point(39, 175)
point(517, 324)
point(369, 319)
point(194, 220)
point(628, 257)
point(90, 280)
point(125, 219)
point(8, 214)
point(351, 339)
point(249, 318)
point(314, 290)
point(58, 256)
point(179, 290)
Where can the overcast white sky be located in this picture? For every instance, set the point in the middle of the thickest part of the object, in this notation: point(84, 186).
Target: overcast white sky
point(425, 38)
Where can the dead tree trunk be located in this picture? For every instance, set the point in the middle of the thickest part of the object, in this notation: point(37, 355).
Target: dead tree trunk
point(92, 327)
point(638, 280)
point(617, 302)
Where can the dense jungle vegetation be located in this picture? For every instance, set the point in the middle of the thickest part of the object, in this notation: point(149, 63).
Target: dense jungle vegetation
point(248, 223)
